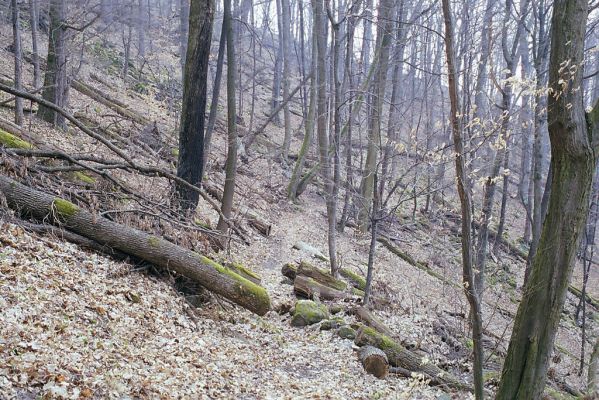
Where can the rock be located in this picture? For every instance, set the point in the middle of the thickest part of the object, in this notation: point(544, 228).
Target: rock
point(346, 332)
point(332, 323)
point(308, 312)
point(336, 309)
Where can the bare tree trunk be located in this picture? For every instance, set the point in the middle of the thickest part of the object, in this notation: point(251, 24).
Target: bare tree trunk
point(293, 191)
point(276, 84)
point(384, 35)
point(285, 36)
point(231, 163)
point(323, 143)
point(16, 33)
point(183, 31)
point(466, 207)
point(191, 129)
point(141, 31)
point(220, 60)
point(55, 79)
point(574, 137)
point(34, 12)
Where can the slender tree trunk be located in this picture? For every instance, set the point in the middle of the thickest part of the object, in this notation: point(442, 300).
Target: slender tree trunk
point(34, 12)
point(374, 135)
point(285, 36)
point(183, 31)
point(321, 121)
point(466, 207)
point(191, 129)
point(574, 137)
point(276, 84)
point(231, 163)
point(16, 33)
point(220, 60)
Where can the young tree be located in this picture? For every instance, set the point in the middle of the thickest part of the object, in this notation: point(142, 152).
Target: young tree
point(231, 163)
point(320, 32)
point(466, 206)
point(574, 139)
point(191, 129)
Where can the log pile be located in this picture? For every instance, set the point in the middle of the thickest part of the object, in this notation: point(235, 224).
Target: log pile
point(311, 282)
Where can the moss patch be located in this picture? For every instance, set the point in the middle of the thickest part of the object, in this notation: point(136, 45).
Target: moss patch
point(245, 287)
point(12, 142)
point(78, 175)
point(64, 208)
point(153, 241)
point(355, 279)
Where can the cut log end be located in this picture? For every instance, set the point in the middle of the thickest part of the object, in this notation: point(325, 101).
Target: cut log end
point(374, 361)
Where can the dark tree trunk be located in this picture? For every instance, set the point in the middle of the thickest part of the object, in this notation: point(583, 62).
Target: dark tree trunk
point(55, 79)
point(191, 129)
point(574, 138)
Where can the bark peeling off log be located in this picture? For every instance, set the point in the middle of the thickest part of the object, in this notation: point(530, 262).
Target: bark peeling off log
point(148, 247)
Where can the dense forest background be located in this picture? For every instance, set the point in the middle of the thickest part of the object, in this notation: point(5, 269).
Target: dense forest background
point(304, 199)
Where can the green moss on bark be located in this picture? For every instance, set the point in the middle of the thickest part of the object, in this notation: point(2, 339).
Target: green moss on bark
point(12, 142)
point(64, 208)
point(308, 312)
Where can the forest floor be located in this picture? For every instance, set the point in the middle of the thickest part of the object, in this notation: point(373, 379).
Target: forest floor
point(74, 324)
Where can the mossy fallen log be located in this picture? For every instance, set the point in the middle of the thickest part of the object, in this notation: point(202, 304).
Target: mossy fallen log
point(320, 276)
point(153, 249)
point(356, 280)
point(309, 288)
point(289, 270)
point(374, 361)
point(241, 270)
point(399, 356)
point(11, 141)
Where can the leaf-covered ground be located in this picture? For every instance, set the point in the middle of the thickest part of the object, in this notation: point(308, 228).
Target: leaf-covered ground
point(77, 325)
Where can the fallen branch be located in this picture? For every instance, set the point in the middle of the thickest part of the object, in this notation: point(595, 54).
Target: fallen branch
point(410, 260)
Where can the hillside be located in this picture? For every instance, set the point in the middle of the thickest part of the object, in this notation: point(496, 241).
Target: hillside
point(76, 323)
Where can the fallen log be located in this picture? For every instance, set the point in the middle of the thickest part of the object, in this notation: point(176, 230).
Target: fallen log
point(289, 270)
point(399, 356)
point(105, 100)
point(311, 250)
point(410, 260)
point(309, 288)
point(320, 276)
point(374, 361)
point(589, 299)
point(354, 279)
point(153, 249)
point(364, 315)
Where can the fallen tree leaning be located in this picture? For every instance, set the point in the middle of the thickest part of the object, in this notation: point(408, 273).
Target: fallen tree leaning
point(151, 248)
